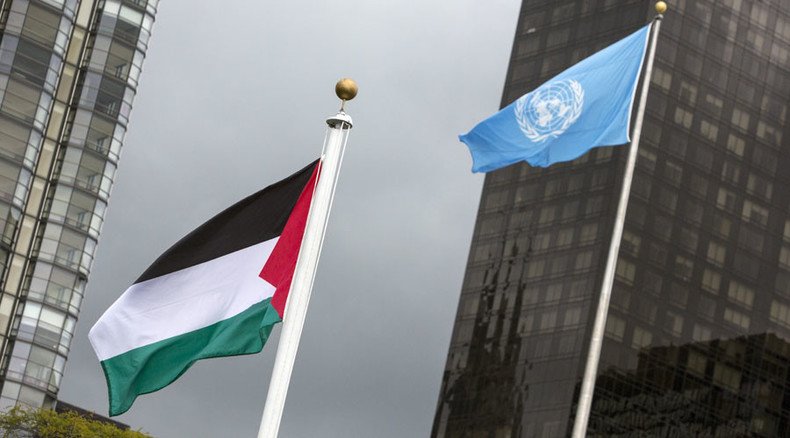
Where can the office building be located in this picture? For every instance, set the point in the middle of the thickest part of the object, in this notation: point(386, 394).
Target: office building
point(69, 70)
point(704, 264)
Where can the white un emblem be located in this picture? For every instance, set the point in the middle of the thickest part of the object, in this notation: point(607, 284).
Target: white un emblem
point(550, 110)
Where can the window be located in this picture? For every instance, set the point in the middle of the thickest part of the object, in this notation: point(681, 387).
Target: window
point(548, 320)
point(783, 28)
point(701, 333)
point(740, 118)
point(662, 78)
point(615, 328)
point(716, 253)
point(697, 363)
point(525, 323)
point(621, 299)
point(553, 188)
point(730, 172)
point(572, 317)
point(565, 237)
point(641, 186)
point(784, 257)
point(603, 154)
point(590, 231)
point(540, 241)
point(780, 313)
point(674, 323)
point(553, 293)
point(722, 226)
point(782, 284)
point(657, 253)
point(673, 173)
point(662, 226)
point(688, 93)
point(726, 200)
point(714, 104)
point(692, 212)
point(579, 289)
point(736, 145)
point(711, 281)
point(754, 213)
point(727, 376)
point(600, 178)
point(683, 117)
point(547, 214)
point(683, 267)
point(651, 283)
point(737, 318)
point(583, 261)
point(773, 107)
point(769, 134)
point(740, 294)
point(594, 205)
point(641, 338)
point(570, 210)
point(706, 307)
point(678, 295)
point(535, 269)
point(703, 157)
point(626, 271)
point(751, 239)
point(759, 187)
point(745, 264)
point(764, 159)
point(688, 239)
point(667, 199)
point(698, 186)
point(760, 15)
point(558, 37)
point(630, 243)
point(496, 199)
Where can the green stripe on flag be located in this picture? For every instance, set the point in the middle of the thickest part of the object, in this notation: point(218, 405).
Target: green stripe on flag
point(152, 367)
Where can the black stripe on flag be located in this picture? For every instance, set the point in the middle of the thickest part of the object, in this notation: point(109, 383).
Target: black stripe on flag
point(255, 219)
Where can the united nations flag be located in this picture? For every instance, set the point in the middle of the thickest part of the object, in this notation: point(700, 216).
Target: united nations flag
point(586, 106)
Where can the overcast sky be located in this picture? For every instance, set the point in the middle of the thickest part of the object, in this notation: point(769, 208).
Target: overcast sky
point(233, 97)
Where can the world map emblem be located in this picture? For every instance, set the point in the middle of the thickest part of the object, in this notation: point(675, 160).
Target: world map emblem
point(550, 110)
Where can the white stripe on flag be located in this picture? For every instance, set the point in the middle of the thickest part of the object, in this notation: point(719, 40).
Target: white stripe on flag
point(183, 301)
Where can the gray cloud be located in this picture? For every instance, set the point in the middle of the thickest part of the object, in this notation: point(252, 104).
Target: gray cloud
point(233, 97)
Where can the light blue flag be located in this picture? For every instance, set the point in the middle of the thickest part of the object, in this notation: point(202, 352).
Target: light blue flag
point(586, 106)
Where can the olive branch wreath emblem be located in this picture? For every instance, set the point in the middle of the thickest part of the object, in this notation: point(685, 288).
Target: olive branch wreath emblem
point(576, 109)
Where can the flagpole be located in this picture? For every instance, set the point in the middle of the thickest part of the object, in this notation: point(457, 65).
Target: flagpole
point(596, 341)
point(338, 129)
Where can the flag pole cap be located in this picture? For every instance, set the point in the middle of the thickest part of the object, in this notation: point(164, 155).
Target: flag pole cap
point(346, 89)
point(661, 7)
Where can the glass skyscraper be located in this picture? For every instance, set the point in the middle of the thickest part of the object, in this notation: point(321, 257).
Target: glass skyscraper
point(697, 336)
point(69, 71)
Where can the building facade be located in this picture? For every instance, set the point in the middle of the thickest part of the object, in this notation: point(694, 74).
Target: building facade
point(69, 71)
point(700, 311)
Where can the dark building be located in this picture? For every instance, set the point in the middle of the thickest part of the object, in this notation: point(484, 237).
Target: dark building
point(69, 71)
point(62, 407)
point(704, 265)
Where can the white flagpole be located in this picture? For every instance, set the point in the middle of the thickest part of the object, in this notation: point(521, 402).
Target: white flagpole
point(596, 341)
point(299, 296)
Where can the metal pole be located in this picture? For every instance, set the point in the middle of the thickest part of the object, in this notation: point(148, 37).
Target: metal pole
point(304, 273)
point(596, 341)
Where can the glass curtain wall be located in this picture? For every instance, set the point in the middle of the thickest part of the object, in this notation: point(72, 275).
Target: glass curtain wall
point(705, 255)
point(69, 71)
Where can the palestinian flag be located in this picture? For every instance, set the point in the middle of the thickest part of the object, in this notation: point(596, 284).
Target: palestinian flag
point(217, 292)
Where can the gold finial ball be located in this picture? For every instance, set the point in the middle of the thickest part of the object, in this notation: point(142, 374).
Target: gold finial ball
point(346, 89)
point(661, 7)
